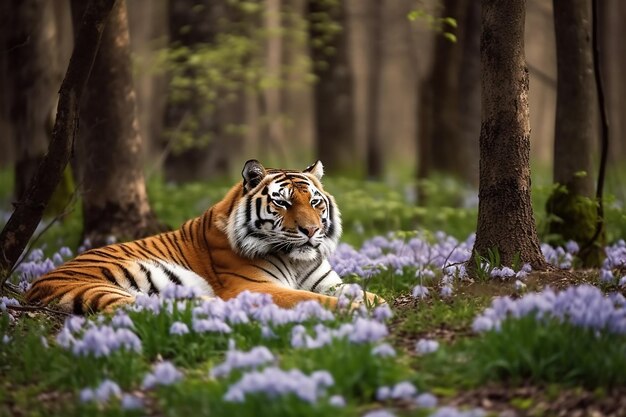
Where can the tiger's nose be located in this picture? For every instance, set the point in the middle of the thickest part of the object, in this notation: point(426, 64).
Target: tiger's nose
point(309, 231)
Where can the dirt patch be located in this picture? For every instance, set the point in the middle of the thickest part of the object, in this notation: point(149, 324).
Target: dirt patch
point(543, 401)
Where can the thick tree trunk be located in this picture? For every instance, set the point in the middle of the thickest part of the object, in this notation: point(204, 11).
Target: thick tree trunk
point(115, 202)
point(32, 84)
point(575, 130)
point(374, 143)
point(505, 215)
point(334, 101)
point(28, 212)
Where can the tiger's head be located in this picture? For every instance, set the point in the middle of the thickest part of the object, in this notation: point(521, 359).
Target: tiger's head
point(284, 212)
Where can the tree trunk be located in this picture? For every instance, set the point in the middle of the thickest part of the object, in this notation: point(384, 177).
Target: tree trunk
point(29, 211)
point(469, 96)
point(613, 61)
point(445, 78)
point(575, 131)
point(31, 86)
point(505, 215)
point(192, 24)
point(374, 145)
point(334, 102)
point(115, 202)
point(450, 100)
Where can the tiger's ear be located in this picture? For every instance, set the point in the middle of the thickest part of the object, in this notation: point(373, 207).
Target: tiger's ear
point(316, 169)
point(253, 172)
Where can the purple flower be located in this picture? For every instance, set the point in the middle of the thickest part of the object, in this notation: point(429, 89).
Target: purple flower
point(235, 359)
point(65, 252)
point(446, 291)
point(102, 393)
point(382, 313)
point(403, 391)
point(384, 350)
point(163, 373)
point(519, 285)
point(482, 324)
point(426, 400)
point(179, 328)
point(274, 382)
point(420, 291)
point(606, 276)
point(337, 401)
point(102, 340)
point(572, 247)
point(130, 402)
point(425, 346)
point(210, 325)
point(121, 319)
point(383, 393)
point(622, 282)
point(583, 306)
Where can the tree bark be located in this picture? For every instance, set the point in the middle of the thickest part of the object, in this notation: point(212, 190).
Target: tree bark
point(450, 100)
point(505, 215)
point(29, 210)
point(31, 86)
point(445, 78)
point(115, 202)
point(334, 100)
point(374, 145)
point(575, 130)
point(469, 96)
point(193, 23)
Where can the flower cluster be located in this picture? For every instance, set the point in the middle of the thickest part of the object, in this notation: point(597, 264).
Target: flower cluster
point(235, 359)
point(96, 340)
point(163, 373)
point(360, 330)
point(274, 382)
point(583, 306)
point(395, 254)
point(425, 346)
point(106, 391)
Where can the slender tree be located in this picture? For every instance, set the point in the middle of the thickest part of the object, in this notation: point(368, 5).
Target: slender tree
point(32, 84)
point(374, 143)
point(571, 204)
point(109, 152)
point(192, 25)
point(505, 215)
point(334, 100)
point(449, 109)
point(28, 213)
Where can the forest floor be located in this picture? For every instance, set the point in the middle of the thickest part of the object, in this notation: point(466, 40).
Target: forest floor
point(511, 342)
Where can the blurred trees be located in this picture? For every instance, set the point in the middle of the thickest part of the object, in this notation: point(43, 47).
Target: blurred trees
point(572, 203)
point(109, 150)
point(30, 83)
point(194, 149)
point(28, 213)
point(450, 96)
point(505, 215)
point(334, 98)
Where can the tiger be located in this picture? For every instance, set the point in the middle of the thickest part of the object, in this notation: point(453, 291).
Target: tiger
point(272, 233)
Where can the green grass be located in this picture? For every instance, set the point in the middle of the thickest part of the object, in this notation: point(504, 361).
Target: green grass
point(36, 380)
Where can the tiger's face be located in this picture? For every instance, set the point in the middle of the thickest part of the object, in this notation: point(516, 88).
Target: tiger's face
point(284, 212)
